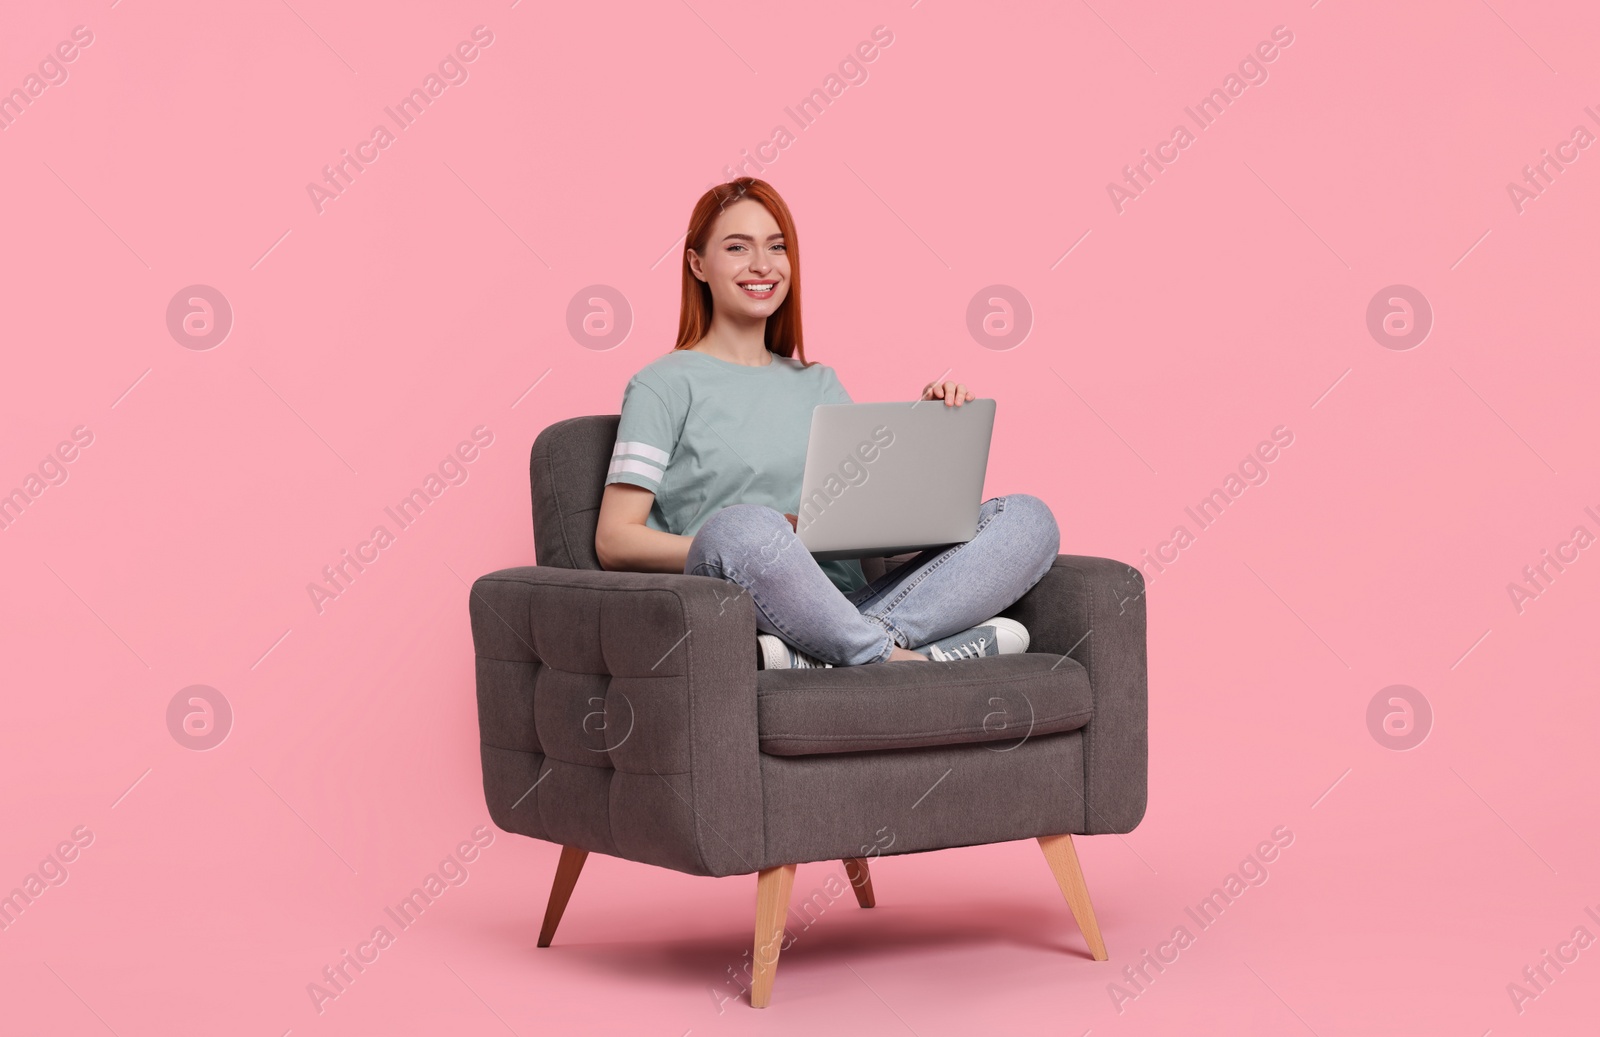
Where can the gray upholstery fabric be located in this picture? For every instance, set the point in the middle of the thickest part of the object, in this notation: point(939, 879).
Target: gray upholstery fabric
point(822, 808)
point(622, 713)
point(617, 713)
point(1003, 698)
point(567, 471)
point(1093, 609)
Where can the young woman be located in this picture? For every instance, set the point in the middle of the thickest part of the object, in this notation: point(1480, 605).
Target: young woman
point(705, 476)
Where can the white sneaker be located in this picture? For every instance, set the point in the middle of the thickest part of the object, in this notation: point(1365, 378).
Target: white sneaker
point(997, 636)
point(778, 654)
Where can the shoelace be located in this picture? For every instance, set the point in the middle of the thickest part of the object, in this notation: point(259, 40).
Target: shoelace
point(967, 649)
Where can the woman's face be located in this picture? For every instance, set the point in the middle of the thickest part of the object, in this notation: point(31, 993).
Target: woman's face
point(745, 248)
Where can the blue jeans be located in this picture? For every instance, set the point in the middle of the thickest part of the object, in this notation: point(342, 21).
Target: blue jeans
point(939, 592)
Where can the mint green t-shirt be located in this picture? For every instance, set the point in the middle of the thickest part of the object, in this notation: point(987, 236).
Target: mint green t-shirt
point(702, 433)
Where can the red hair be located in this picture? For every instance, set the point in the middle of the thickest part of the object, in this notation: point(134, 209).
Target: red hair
point(694, 315)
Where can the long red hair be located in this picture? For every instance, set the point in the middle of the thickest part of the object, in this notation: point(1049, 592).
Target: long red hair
point(694, 315)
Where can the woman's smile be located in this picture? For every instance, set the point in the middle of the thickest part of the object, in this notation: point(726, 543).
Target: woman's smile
point(759, 289)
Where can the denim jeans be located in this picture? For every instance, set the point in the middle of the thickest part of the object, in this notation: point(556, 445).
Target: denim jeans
point(939, 592)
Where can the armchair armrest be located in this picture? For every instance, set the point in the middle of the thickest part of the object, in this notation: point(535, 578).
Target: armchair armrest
point(617, 714)
point(1093, 610)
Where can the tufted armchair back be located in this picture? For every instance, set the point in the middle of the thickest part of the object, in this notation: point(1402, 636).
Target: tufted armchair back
point(567, 474)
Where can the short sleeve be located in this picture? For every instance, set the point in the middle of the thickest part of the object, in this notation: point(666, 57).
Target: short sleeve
point(646, 436)
point(832, 389)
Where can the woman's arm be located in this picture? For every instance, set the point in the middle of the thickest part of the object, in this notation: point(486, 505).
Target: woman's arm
point(624, 543)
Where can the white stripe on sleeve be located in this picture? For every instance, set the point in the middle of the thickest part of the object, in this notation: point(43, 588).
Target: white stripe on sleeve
point(632, 467)
point(644, 450)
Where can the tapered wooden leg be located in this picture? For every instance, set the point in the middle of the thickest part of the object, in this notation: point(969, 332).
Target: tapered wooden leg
point(860, 880)
point(567, 870)
point(1063, 861)
point(772, 907)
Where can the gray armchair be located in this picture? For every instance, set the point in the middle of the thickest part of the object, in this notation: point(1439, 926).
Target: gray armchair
point(622, 713)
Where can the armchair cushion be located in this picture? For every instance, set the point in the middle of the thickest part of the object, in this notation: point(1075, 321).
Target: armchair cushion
point(908, 705)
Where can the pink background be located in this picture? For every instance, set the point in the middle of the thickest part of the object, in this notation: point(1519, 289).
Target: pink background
point(1166, 341)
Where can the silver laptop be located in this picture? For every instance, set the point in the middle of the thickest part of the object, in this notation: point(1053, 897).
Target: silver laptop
point(886, 478)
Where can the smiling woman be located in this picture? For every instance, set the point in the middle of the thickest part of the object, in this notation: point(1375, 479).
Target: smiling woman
point(707, 467)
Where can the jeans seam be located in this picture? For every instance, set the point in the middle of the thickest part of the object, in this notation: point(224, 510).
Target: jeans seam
point(896, 635)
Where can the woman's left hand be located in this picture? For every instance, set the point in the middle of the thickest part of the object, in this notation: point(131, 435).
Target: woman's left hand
point(954, 394)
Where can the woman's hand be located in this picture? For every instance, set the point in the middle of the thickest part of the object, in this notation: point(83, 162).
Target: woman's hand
point(954, 394)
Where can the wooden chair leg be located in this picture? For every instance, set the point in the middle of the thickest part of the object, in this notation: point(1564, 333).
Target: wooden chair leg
point(1063, 860)
point(772, 907)
point(860, 880)
point(567, 870)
